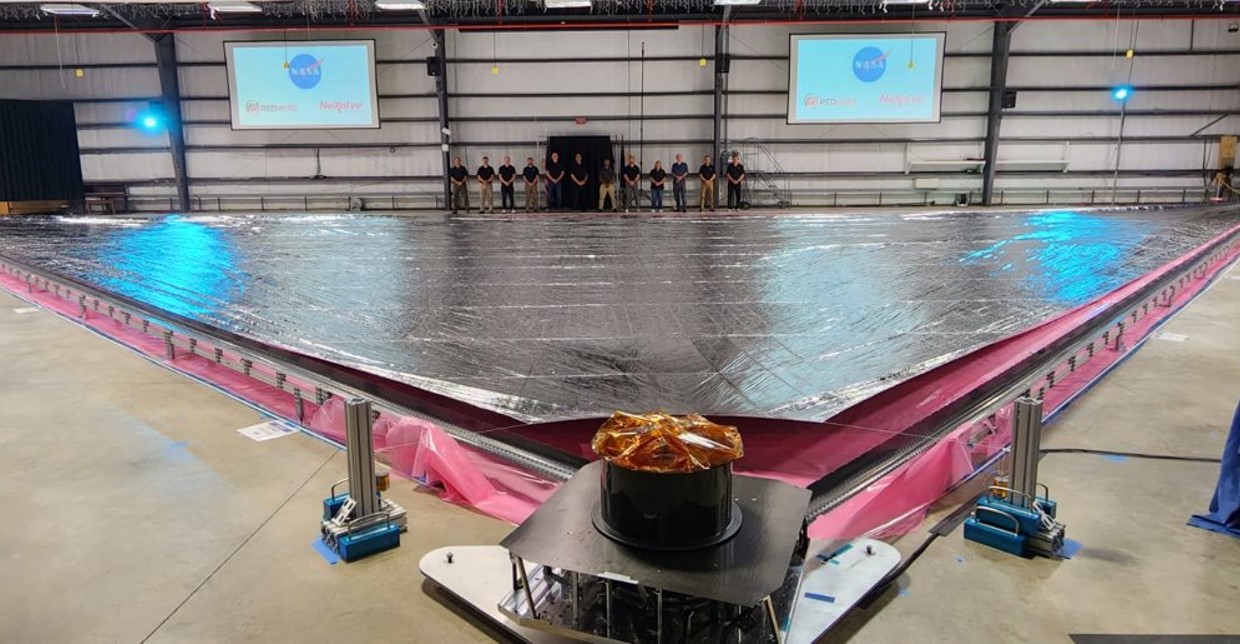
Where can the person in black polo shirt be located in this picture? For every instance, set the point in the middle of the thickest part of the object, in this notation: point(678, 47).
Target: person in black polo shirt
point(507, 192)
point(632, 185)
point(555, 182)
point(736, 176)
point(658, 177)
point(530, 176)
point(486, 176)
point(680, 172)
point(459, 176)
point(578, 176)
point(706, 196)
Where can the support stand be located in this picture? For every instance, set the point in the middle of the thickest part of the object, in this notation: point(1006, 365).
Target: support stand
point(360, 522)
point(1015, 519)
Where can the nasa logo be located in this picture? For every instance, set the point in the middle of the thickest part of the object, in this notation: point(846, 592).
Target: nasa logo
point(252, 107)
point(305, 71)
point(869, 64)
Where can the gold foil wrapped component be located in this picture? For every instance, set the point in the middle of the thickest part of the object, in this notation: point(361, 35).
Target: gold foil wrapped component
point(662, 443)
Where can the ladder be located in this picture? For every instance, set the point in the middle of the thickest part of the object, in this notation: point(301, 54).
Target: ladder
point(766, 182)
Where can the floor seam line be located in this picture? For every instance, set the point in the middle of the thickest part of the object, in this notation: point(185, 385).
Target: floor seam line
point(239, 547)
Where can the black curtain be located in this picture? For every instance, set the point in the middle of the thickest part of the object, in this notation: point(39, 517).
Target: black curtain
point(39, 157)
point(593, 150)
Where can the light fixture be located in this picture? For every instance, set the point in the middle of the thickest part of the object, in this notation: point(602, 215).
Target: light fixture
point(1122, 93)
point(735, 3)
point(408, 5)
point(69, 10)
point(234, 7)
point(151, 120)
point(568, 4)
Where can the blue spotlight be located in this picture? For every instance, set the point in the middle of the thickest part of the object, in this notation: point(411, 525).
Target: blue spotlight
point(1122, 93)
point(151, 120)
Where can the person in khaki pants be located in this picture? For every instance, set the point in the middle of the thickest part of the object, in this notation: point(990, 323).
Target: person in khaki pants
point(706, 196)
point(530, 176)
point(607, 186)
point(486, 175)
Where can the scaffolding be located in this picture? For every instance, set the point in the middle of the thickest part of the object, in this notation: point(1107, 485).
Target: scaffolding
point(766, 182)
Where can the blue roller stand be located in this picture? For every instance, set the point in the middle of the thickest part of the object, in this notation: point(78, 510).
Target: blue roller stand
point(1224, 516)
point(368, 541)
point(360, 522)
point(1014, 518)
point(1012, 528)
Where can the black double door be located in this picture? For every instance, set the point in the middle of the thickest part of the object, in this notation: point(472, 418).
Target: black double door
point(593, 150)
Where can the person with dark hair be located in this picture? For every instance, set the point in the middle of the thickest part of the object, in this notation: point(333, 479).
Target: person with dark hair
point(507, 191)
point(458, 177)
point(530, 176)
point(607, 186)
point(680, 172)
point(577, 175)
point(632, 185)
point(555, 182)
point(706, 196)
point(486, 176)
point(658, 177)
point(736, 176)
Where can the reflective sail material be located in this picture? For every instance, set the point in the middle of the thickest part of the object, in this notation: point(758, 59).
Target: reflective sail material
point(565, 316)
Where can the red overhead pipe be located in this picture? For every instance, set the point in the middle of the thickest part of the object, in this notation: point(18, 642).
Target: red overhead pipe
point(668, 24)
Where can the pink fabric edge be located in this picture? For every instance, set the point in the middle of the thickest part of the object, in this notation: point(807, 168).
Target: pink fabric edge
point(412, 447)
point(897, 503)
point(423, 451)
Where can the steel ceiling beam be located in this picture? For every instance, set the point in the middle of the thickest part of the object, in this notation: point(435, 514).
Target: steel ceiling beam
point(744, 18)
point(1000, 55)
point(721, 53)
point(170, 94)
point(170, 90)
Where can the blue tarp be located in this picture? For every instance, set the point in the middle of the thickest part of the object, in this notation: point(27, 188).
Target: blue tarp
point(1224, 513)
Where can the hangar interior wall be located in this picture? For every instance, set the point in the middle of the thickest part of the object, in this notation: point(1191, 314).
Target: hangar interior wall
point(1060, 144)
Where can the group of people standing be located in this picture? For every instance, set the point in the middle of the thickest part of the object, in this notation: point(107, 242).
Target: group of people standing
point(576, 176)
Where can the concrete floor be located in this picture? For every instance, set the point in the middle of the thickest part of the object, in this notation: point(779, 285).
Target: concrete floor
point(137, 513)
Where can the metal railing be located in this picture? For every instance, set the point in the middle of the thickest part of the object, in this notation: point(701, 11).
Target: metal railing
point(762, 196)
point(1105, 333)
point(302, 384)
point(768, 184)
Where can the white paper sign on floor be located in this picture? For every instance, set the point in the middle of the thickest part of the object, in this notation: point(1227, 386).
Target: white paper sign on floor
point(26, 309)
point(1170, 337)
point(268, 430)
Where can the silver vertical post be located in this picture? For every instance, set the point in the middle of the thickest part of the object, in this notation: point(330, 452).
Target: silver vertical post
point(359, 443)
point(1026, 443)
